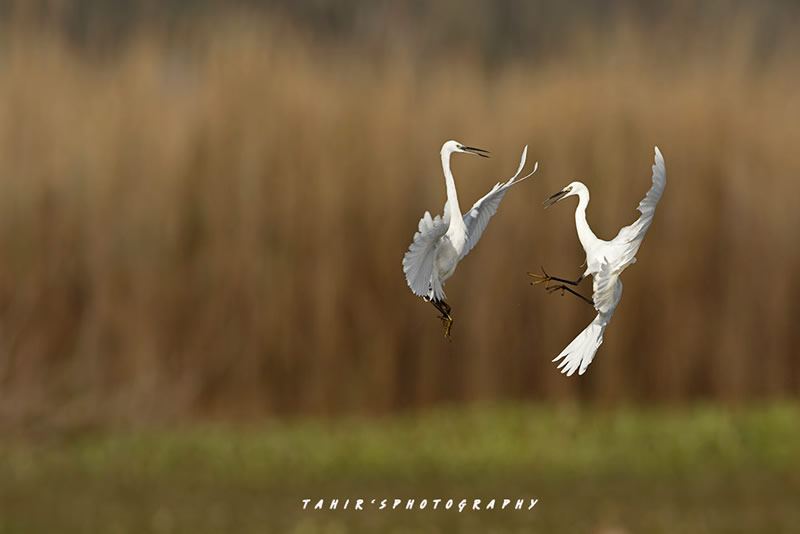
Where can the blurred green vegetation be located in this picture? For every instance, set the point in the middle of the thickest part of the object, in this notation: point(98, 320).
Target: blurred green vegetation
point(666, 470)
point(446, 442)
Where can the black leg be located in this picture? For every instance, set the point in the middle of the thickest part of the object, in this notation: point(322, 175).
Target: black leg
point(546, 278)
point(442, 306)
point(563, 288)
point(570, 282)
point(447, 321)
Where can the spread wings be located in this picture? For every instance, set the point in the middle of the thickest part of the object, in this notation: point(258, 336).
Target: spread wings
point(633, 235)
point(477, 218)
point(418, 260)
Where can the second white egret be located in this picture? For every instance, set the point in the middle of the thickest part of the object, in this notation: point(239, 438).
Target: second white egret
point(442, 241)
point(605, 261)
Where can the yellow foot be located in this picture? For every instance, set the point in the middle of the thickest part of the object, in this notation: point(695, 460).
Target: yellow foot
point(543, 278)
point(561, 288)
point(448, 326)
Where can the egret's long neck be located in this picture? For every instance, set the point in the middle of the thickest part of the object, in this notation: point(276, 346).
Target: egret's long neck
point(452, 198)
point(585, 234)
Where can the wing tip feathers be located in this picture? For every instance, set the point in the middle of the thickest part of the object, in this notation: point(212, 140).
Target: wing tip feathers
point(659, 158)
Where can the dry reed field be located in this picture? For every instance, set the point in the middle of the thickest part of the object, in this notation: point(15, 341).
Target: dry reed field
point(209, 221)
point(203, 315)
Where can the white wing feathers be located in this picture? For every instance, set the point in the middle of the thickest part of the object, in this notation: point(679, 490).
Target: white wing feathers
point(607, 287)
point(418, 260)
point(607, 292)
point(648, 204)
point(636, 231)
point(477, 218)
point(580, 352)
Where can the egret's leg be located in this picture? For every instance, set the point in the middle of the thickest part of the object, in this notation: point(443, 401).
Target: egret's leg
point(563, 288)
point(447, 321)
point(546, 279)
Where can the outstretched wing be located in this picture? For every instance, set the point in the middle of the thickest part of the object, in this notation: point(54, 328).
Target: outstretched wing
point(633, 235)
point(418, 260)
point(477, 218)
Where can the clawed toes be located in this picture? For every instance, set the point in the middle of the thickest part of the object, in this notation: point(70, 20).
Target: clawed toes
point(556, 288)
point(542, 278)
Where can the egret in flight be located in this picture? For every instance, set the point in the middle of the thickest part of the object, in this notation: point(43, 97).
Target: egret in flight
point(605, 261)
point(442, 241)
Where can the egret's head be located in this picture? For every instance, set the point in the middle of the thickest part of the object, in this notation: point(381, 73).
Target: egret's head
point(572, 189)
point(454, 146)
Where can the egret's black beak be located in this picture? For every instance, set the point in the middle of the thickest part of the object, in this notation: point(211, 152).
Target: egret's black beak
point(555, 198)
point(476, 151)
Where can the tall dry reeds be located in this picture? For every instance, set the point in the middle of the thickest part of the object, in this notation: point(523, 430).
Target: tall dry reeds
point(217, 228)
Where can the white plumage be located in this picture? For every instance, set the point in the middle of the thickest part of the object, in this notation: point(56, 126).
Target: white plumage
point(442, 241)
point(605, 261)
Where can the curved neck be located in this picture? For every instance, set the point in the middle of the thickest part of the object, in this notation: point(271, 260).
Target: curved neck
point(585, 234)
point(452, 198)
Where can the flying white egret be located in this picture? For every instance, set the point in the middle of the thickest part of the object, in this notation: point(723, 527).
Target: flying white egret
point(605, 261)
point(442, 241)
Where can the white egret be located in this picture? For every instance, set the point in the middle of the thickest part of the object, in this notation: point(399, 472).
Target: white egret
point(442, 241)
point(605, 261)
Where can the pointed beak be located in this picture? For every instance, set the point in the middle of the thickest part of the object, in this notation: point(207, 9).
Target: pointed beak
point(554, 198)
point(475, 151)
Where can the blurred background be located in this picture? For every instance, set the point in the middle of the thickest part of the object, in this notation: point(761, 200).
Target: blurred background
point(204, 210)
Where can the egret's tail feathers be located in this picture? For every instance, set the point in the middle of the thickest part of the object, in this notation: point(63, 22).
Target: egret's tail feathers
point(579, 354)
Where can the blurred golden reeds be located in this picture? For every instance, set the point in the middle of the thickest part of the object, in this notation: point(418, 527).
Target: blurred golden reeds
point(217, 228)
